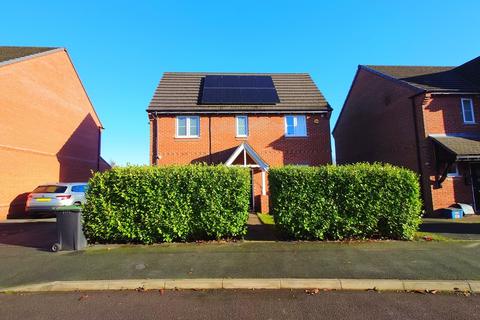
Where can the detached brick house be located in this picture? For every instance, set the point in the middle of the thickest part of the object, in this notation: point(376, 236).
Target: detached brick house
point(252, 120)
point(49, 130)
point(420, 117)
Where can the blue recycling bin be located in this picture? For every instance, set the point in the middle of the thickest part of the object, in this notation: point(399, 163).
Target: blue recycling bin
point(453, 213)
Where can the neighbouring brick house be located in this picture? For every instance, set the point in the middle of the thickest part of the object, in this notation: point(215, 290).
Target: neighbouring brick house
point(49, 130)
point(420, 117)
point(253, 120)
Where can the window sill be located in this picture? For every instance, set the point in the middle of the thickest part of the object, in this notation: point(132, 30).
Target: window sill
point(186, 138)
point(296, 137)
point(469, 123)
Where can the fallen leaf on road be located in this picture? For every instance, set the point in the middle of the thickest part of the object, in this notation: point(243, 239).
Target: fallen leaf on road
point(85, 296)
point(140, 289)
point(466, 293)
point(312, 291)
point(161, 291)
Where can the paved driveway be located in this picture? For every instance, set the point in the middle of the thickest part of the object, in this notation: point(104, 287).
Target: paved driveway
point(34, 233)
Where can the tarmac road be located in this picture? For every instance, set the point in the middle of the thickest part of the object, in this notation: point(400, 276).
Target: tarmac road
point(238, 304)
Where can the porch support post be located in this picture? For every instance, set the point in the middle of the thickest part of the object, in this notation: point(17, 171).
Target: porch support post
point(244, 157)
point(264, 189)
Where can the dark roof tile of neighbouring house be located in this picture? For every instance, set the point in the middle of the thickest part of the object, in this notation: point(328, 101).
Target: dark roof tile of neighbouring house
point(179, 92)
point(11, 53)
point(464, 78)
point(462, 147)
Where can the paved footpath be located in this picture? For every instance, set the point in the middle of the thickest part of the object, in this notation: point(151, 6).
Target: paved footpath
point(235, 304)
point(459, 260)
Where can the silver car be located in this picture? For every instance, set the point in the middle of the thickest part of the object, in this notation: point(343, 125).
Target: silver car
point(47, 197)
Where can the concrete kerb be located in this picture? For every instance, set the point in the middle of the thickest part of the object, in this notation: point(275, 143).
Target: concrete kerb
point(283, 283)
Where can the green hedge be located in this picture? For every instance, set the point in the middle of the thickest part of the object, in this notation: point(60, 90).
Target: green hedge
point(345, 202)
point(164, 204)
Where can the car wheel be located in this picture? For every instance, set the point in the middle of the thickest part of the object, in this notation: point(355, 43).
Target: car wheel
point(55, 247)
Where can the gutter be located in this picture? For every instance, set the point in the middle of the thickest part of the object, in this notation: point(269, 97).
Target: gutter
point(154, 112)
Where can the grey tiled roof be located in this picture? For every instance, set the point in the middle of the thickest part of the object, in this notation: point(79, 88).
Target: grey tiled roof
point(179, 91)
point(465, 78)
point(10, 53)
point(460, 146)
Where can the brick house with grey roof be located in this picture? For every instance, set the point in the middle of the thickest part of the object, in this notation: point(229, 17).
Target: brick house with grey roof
point(252, 120)
point(425, 118)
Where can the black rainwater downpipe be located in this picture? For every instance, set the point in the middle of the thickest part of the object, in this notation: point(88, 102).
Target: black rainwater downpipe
point(417, 142)
point(210, 139)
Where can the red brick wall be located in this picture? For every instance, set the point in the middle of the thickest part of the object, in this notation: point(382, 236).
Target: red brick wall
point(48, 128)
point(266, 136)
point(376, 123)
point(443, 115)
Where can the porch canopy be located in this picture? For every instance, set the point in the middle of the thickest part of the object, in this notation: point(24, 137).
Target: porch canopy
point(450, 149)
point(244, 155)
point(454, 148)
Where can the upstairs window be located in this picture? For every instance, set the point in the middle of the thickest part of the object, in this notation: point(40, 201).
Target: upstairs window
point(242, 126)
point(188, 127)
point(467, 111)
point(295, 126)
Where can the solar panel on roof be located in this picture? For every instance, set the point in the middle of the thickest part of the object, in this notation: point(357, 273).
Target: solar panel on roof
point(230, 89)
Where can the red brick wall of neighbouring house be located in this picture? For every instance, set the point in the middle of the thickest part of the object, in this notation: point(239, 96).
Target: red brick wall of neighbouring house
point(376, 124)
point(442, 114)
point(266, 137)
point(49, 131)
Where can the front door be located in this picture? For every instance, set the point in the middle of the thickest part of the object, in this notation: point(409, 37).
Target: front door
point(475, 170)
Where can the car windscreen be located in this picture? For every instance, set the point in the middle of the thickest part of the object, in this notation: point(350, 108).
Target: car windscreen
point(50, 189)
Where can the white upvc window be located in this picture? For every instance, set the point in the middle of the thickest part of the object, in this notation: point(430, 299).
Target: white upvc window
point(242, 126)
point(295, 126)
point(467, 111)
point(188, 127)
point(453, 170)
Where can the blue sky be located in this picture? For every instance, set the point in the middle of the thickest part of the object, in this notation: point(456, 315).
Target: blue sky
point(121, 48)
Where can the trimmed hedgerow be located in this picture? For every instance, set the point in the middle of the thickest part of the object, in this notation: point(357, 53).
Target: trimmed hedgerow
point(345, 202)
point(165, 204)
